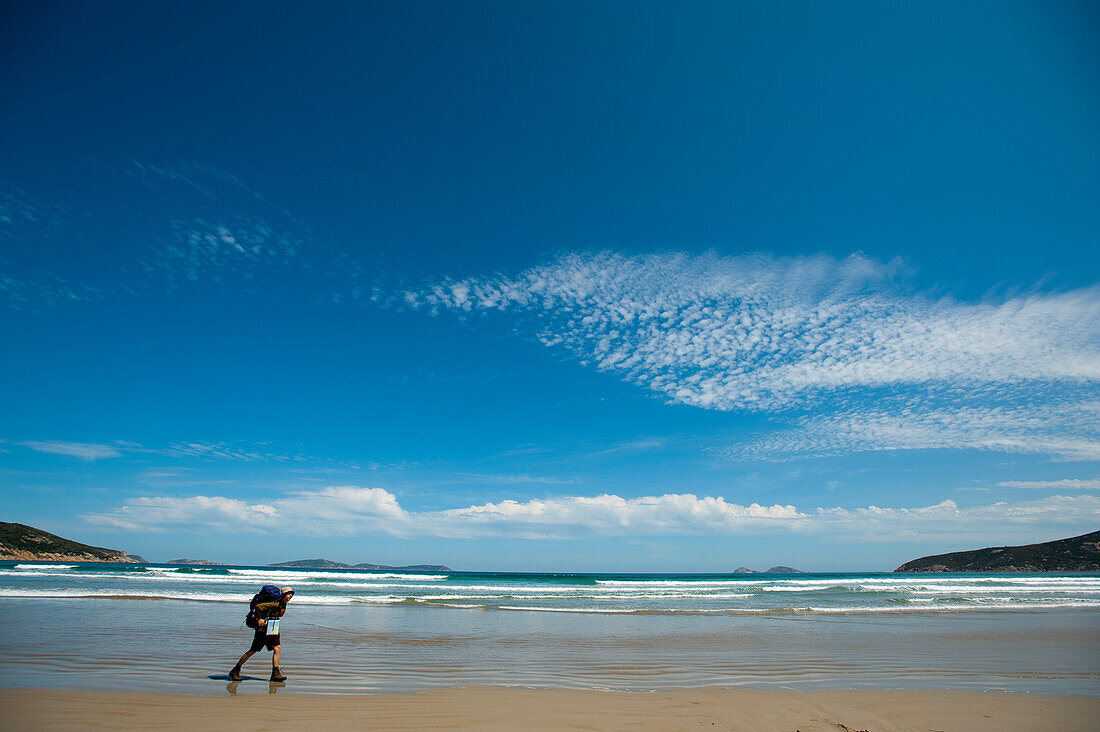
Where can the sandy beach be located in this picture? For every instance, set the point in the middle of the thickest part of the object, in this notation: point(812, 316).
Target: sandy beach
point(102, 662)
point(496, 708)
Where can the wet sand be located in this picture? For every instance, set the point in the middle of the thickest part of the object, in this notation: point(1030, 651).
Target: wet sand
point(497, 708)
point(122, 646)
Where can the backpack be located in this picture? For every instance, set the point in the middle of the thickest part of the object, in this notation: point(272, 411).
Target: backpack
point(267, 593)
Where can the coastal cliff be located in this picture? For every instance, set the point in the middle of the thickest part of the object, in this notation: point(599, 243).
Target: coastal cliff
point(1076, 554)
point(28, 544)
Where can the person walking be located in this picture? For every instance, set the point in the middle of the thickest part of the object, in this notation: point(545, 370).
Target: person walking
point(263, 615)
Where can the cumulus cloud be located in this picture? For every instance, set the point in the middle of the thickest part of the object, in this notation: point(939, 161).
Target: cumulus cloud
point(335, 509)
point(610, 514)
point(352, 509)
point(763, 333)
point(82, 450)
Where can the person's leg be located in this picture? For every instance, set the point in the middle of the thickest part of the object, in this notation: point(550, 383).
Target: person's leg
point(276, 674)
point(235, 672)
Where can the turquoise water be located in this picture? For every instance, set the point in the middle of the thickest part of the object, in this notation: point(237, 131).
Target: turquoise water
point(822, 594)
point(171, 629)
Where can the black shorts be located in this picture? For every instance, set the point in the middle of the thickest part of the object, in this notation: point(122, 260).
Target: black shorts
point(262, 639)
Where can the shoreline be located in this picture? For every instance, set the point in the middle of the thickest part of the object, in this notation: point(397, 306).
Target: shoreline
point(104, 645)
point(509, 708)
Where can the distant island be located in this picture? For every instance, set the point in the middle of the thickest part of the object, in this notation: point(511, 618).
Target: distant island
point(197, 563)
point(1076, 554)
point(28, 544)
point(312, 564)
point(778, 569)
point(329, 564)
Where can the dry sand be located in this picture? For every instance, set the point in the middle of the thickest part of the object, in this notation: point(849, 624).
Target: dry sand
point(495, 708)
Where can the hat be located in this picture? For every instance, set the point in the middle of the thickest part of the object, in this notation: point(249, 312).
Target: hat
point(286, 591)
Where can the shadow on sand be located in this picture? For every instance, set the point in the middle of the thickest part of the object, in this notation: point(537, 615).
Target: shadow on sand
point(225, 677)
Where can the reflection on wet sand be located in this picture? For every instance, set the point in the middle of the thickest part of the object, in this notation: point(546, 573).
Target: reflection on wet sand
point(273, 687)
point(393, 649)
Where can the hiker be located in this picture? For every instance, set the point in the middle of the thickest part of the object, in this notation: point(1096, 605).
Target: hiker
point(264, 612)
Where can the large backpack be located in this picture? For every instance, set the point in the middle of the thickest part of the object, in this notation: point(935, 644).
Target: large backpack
point(267, 593)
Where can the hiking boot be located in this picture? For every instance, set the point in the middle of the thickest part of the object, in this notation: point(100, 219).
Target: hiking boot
point(277, 675)
point(235, 673)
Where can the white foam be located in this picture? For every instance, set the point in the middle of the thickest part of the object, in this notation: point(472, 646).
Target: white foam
point(191, 596)
point(45, 566)
point(292, 575)
point(678, 583)
point(580, 610)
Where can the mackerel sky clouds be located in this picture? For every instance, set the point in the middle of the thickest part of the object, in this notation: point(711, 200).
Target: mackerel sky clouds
point(559, 288)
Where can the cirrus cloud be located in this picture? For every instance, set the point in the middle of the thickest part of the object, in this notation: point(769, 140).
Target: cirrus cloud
point(1065, 431)
point(81, 450)
point(763, 333)
point(1066, 484)
point(838, 349)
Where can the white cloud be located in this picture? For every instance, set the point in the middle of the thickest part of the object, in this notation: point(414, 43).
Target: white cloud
point(82, 450)
point(43, 290)
point(609, 514)
point(226, 246)
point(880, 366)
point(243, 452)
point(1067, 484)
point(193, 226)
point(1068, 432)
point(160, 514)
point(947, 519)
point(761, 333)
point(352, 510)
point(335, 509)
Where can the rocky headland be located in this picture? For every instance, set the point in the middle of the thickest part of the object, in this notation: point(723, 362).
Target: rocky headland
point(24, 543)
point(1076, 554)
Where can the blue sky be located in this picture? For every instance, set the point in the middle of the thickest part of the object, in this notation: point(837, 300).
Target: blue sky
point(611, 287)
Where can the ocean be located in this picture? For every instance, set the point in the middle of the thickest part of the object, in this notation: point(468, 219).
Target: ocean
point(756, 594)
point(171, 628)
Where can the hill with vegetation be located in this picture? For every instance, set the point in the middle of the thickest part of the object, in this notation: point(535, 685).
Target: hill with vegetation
point(1076, 554)
point(329, 564)
point(28, 544)
point(312, 564)
point(779, 569)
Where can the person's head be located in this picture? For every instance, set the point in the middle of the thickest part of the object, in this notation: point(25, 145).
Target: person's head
point(287, 593)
